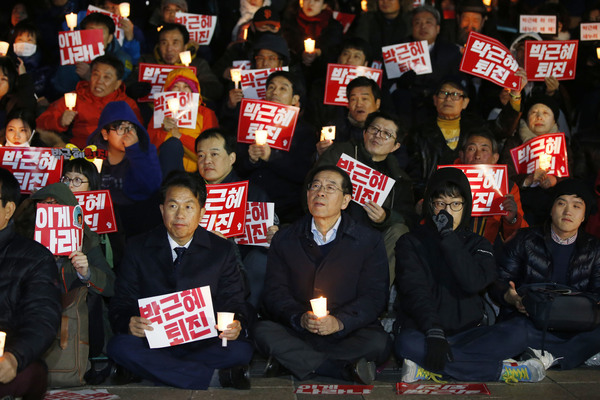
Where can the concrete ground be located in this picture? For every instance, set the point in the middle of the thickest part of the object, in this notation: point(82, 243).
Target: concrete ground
point(582, 383)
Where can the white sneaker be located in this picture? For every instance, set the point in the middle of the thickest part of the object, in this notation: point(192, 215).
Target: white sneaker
point(531, 370)
point(411, 372)
point(547, 358)
point(593, 361)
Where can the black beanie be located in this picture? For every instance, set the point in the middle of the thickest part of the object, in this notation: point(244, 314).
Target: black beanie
point(578, 188)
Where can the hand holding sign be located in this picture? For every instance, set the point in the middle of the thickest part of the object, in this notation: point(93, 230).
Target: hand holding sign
point(137, 326)
point(259, 152)
point(80, 263)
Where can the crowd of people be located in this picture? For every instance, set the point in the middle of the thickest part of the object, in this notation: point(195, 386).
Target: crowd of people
point(448, 281)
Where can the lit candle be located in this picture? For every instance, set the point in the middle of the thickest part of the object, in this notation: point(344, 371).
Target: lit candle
point(173, 105)
point(598, 52)
point(124, 10)
point(98, 163)
point(260, 137)
point(487, 3)
point(328, 133)
point(364, 6)
point(236, 76)
point(2, 341)
point(224, 319)
point(245, 34)
point(70, 100)
point(186, 58)
point(545, 161)
point(4, 48)
point(309, 45)
point(71, 20)
point(319, 306)
point(301, 2)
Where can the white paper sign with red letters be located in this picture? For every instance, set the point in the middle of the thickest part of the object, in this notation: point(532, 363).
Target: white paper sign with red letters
point(156, 74)
point(548, 152)
point(80, 46)
point(119, 34)
point(368, 183)
point(59, 228)
point(241, 64)
point(34, 167)
point(187, 112)
point(334, 389)
point(179, 317)
point(226, 208)
point(436, 388)
point(489, 186)
point(338, 77)
point(557, 58)
point(254, 81)
point(88, 394)
point(277, 119)
point(589, 31)
point(537, 23)
point(200, 27)
point(259, 217)
point(489, 59)
point(345, 19)
point(98, 212)
point(402, 57)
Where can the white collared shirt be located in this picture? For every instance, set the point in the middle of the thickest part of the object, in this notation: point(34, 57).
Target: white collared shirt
point(174, 244)
point(329, 236)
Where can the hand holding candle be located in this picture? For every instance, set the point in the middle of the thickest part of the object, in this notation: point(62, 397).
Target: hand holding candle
point(124, 10)
point(328, 133)
point(71, 20)
point(186, 58)
point(70, 100)
point(223, 320)
point(364, 5)
point(545, 161)
point(236, 76)
point(309, 45)
point(173, 105)
point(319, 306)
point(260, 137)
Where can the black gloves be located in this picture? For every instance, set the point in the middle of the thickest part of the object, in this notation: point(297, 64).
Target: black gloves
point(437, 350)
point(444, 222)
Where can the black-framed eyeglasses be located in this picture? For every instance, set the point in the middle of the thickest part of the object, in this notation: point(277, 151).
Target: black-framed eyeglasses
point(375, 131)
point(329, 188)
point(75, 181)
point(454, 205)
point(454, 96)
point(123, 129)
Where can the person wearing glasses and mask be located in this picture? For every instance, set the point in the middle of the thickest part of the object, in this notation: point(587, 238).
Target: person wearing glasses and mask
point(382, 135)
point(131, 170)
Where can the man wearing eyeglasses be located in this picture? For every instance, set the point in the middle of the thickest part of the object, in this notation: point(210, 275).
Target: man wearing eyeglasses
point(328, 254)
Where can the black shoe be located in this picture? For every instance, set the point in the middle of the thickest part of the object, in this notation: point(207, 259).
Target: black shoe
point(122, 376)
point(275, 369)
point(98, 373)
point(236, 377)
point(362, 371)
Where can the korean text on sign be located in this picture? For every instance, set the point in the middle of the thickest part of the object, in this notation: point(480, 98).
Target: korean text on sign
point(537, 23)
point(179, 318)
point(119, 33)
point(200, 27)
point(259, 217)
point(368, 183)
point(589, 31)
point(156, 74)
point(548, 152)
point(452, 388)
point(489, 185)
point(186, 112)
point(59, 228)
point(34, 167)
point(557, 58)
point(338, 77)
point(89, 394)
point(254, 81)
point(226, 208)
point(98, 211)
point(334, 389)
point(278, 120)
point(80, 46)
point(399, 58)
point(489, 59)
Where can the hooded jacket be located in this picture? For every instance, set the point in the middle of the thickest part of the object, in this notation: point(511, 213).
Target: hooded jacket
point(206, 120)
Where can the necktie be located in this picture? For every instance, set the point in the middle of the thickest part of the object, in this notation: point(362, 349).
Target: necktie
point(179, 251)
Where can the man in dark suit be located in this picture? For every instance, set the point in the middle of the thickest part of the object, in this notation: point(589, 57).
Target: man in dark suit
point(178, 256)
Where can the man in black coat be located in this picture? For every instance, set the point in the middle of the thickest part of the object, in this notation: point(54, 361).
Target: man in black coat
point(325, 254)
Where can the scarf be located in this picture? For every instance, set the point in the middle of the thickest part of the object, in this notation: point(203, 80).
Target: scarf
point(313, 26)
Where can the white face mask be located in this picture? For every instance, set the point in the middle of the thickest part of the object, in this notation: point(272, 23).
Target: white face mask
point(24, 49)
point(28, 144)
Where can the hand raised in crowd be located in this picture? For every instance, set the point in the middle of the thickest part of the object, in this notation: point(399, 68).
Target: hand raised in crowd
point(170, 125)
point(523, 75)
point(512, 297)
point(8, 367)
point(21, 66)
point(309, 58)
point(259, 152)
point(130, 138)
point(375, 212)
point(67, 118)
point(232, 332)
point(127, 27)
point(137, 326)
point(552, 85)
point(80, 263)
point(510, 205)
point(235, 97)
point(83, 70)
point(323, 145)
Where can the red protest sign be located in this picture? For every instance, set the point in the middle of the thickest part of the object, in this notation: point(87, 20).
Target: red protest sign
point(400, 58)
point(547, 152)
point(259, 217)
point(179, 317)
point(34, 167)
point(338, 77)
point(80, 46)
point(538, 23)
point(59, 228)
point(334, 389)
point(87, 394)
point(435, 388)
point(557, 58)
point(254, 81)
point(200, 27)
point(489, 185)
point(277, 119)
point(368, 183)
point(489, 59)
point(589, 31)
point(98, 211)
point(119, 33)
point(184, 110)
point(344, 18)
point(226, 208)
point(155, 74)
